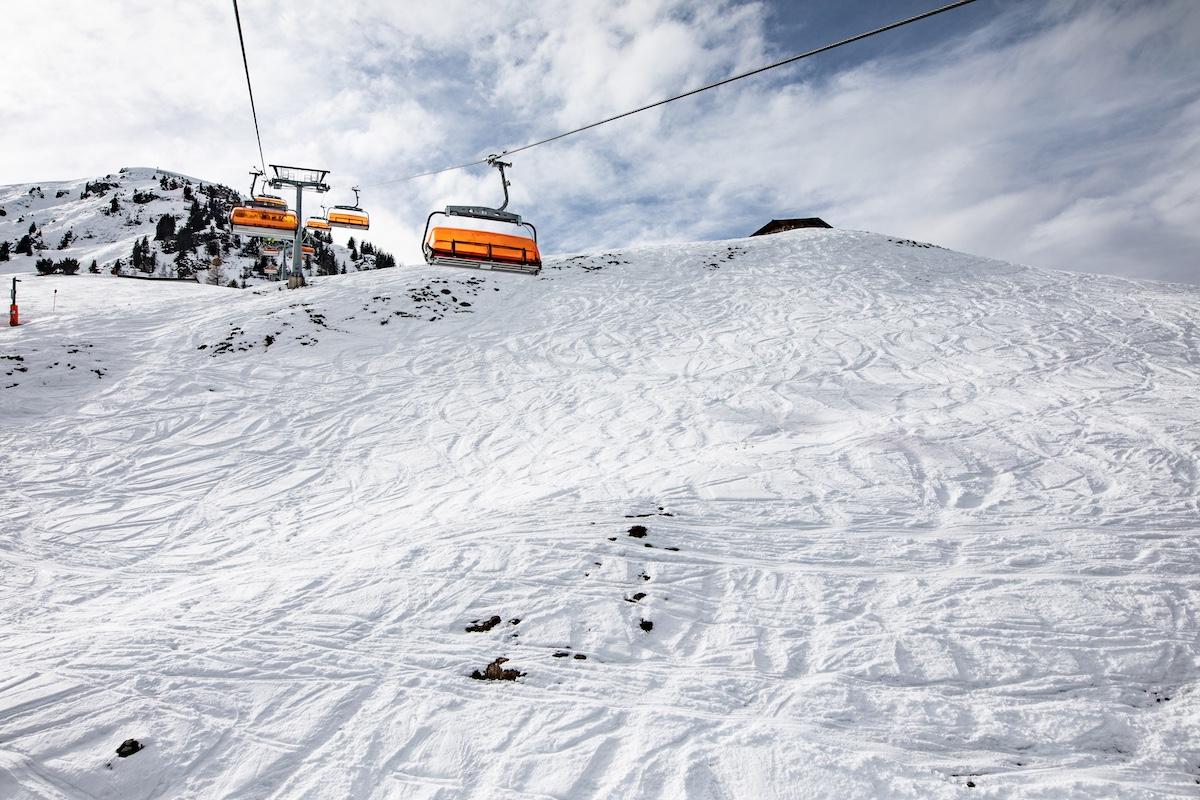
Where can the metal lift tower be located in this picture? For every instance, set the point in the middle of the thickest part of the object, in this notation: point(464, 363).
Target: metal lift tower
point(300, 178)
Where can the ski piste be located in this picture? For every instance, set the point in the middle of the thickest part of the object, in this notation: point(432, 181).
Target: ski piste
point(914, 524)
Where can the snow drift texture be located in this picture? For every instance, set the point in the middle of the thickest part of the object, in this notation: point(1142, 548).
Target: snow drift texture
point(917, 525)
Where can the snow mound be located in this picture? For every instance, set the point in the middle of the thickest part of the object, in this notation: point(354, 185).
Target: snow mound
point(912, 524)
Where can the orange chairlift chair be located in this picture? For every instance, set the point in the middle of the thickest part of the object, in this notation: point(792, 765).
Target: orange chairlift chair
point(320, 223)
point(264, 215)
point(306, 249)
point(270, 223)
point(349, 216)
point(264, 200)
point(480, 237)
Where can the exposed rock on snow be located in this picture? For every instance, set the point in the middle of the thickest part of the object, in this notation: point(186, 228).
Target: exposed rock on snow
point(128, 748)
point(495, 672)
point(483, 627)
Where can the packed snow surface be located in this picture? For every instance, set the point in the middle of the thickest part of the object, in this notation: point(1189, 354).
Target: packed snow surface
point(916, 525)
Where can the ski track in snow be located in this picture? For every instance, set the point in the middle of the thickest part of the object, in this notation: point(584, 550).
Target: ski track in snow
point(913, 519)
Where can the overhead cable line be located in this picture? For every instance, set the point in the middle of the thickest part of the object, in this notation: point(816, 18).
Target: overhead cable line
point(246, 64)
point(823, 49)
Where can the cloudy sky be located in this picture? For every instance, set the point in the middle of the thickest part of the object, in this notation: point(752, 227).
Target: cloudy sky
point(1063, 133)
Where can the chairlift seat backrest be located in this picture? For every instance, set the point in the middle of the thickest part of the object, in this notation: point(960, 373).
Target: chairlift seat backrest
point(483, 212)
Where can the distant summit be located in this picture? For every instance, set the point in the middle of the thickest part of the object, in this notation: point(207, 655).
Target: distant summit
point(146, 222)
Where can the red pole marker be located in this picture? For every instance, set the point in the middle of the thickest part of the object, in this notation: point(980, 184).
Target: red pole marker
point(13, 317)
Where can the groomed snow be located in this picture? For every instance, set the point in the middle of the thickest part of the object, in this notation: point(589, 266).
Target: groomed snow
point(917, 521)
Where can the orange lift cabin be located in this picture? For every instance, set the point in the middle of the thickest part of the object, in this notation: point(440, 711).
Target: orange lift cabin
point(349, 216)
point(268, 201)
point(265, 215)
point(269, 223)
point(479, 237)
point(263, 200)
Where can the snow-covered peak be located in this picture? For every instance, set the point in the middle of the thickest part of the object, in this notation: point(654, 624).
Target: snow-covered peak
point(102, 219)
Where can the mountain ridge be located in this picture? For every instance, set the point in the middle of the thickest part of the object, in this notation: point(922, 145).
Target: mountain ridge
point(77, 219)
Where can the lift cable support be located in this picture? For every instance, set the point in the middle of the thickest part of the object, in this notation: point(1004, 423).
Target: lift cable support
point(299, 178)
point(791, 60)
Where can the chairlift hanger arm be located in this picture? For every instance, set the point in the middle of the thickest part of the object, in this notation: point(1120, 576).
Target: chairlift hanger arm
point(494, 160)
point(255, 173)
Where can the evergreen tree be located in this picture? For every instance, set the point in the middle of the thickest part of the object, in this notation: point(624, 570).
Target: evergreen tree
point(32, 228)
point(44, 266)
point(116, 267)
point(68, 266)
point(65, 241)
point(136, 258)
point(25, 246)
point(165, 228)
point(214, 212)
point(183, 265)
point(195, 219)
point(326, 263)
point(115, 206)
point(145, 263)
point(94, 268)
point(184, 240)
point(4, 251)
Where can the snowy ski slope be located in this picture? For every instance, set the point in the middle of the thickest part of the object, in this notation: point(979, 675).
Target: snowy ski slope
point(918, 525)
